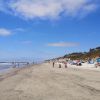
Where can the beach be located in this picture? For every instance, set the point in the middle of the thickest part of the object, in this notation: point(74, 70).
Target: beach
point(43, 82)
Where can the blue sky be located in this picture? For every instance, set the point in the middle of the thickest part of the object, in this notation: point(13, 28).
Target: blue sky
point(48, 28)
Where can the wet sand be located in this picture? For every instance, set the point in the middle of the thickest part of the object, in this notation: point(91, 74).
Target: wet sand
point(43, 82)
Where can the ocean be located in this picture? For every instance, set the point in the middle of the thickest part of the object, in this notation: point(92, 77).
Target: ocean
point(4, 67)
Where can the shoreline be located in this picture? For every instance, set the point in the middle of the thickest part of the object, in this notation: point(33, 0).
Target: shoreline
point(12, 72)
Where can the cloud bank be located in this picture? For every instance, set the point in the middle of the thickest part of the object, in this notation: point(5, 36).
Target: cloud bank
point(48, 9)
point(63, 44)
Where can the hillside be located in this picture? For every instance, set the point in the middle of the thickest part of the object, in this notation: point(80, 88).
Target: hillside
point(92, 53)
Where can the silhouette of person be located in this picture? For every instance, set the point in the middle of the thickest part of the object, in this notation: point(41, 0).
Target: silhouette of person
point(53, 64)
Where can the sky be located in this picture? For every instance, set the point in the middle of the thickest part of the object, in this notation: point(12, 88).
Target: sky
point(43, 29)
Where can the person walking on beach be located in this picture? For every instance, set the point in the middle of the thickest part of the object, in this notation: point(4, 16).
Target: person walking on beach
point(59, 65)
point(53, 64)
point(65, 64)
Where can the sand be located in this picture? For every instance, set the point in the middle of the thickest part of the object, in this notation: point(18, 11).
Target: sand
point(43, 82)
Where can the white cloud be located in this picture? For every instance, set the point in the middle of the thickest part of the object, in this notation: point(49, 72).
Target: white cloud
point(63, 44)
point(51, 9)
point(5, 32)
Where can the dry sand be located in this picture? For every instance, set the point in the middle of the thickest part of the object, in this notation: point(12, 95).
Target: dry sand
point(42, 82)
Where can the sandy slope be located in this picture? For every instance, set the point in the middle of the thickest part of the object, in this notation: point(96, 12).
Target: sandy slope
point(42, 82)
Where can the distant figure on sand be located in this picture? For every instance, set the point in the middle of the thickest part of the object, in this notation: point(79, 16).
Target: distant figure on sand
point(53, 64)
point(59, 65)
point(65, 64)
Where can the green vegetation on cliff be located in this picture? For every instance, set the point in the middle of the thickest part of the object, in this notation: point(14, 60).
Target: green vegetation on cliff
point(92, 53)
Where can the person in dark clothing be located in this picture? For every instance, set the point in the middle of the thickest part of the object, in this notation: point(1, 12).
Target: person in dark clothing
point(53, 64)
point(65, 64)
point(59, 65)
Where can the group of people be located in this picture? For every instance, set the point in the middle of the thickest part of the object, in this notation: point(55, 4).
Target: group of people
point(60, 64)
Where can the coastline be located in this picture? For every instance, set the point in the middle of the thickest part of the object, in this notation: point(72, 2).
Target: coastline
point(12, 71)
